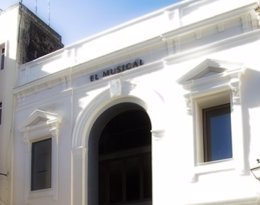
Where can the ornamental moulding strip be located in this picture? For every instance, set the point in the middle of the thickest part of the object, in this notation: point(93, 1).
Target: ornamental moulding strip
point(23, 89)
point(213, 47)
point(219, 19)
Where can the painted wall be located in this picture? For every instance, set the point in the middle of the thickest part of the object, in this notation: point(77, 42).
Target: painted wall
point(8, 39)
point(13, 39)
point(201, 56)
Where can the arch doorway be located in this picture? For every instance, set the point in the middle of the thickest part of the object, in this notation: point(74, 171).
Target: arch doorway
point(124, 156)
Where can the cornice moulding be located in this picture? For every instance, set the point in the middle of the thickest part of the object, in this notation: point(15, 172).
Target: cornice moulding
point(166, 35)
point(213, 47)
point(164, 40)
point(182, 56)
point(195, 26)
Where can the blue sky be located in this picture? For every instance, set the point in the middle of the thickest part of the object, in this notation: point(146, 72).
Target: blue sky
point(78, 19)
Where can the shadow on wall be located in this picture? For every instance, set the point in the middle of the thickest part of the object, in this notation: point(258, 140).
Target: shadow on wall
point(7, 83)
point(250, 103)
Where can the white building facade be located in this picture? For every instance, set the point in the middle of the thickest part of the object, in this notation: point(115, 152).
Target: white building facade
point(161, 110)
point(21, 37)
point(8, 38)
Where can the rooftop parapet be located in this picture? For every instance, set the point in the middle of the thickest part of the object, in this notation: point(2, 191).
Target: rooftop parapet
point(171, 22)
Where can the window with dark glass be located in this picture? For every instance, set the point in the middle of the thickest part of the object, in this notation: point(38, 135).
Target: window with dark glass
point(2, 59)
point(41, 165)
point(1, 108)
point(217, 137)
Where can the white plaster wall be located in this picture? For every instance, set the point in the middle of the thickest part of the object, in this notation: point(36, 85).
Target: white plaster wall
point(61, 105)
point(180, 18)
point(177, 179)
point(173, 157)
point(8, 38)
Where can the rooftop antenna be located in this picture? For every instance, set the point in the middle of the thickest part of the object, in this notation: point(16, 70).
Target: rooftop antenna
point(36, 7)
point(49, 12)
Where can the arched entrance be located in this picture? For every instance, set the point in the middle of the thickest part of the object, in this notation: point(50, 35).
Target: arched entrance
point(119, 165)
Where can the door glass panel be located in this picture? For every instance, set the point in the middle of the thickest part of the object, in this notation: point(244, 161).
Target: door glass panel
point(133, 179)
point(115, 182)
point(125, 160)
point(147, 176)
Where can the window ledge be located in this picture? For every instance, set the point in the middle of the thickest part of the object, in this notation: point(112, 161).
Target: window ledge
point(213, 167)
point(41, 193)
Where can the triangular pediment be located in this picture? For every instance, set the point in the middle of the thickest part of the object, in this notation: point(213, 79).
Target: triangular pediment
point(40, 117)
point(207, 68)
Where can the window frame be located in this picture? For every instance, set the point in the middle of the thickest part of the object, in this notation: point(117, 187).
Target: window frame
point(41, 125)
point(207, 113)
point(214, 82)
point(200, 102)
point(2, 57)
point(35, 146)
point(1, 112)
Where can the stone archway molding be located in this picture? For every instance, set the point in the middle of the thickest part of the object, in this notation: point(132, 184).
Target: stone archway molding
point(146, 97)
point(117, 92)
